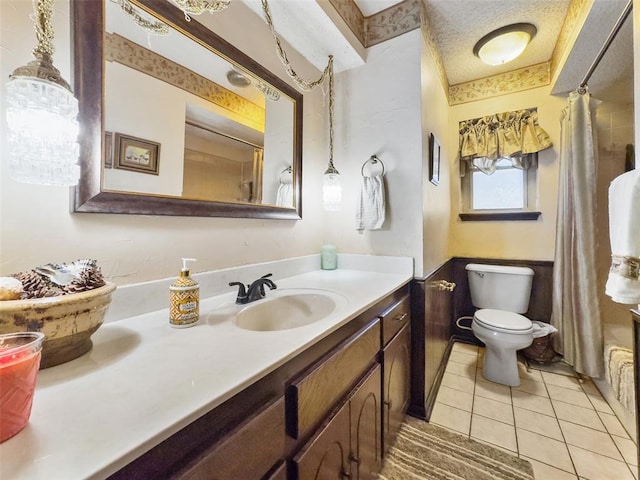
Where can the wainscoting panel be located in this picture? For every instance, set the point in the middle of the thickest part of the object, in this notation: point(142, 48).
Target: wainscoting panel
point(431, 321)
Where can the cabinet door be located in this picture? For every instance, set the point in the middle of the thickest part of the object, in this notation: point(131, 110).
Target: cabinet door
point(326, 455)
point(366, 434)
point(396, 385)
point(280, 473)
point(246, 453)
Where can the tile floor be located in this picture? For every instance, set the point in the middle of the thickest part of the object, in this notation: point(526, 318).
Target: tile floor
point(563, 427)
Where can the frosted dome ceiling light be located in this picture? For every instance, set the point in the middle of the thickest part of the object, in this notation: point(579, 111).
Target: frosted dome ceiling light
point(505, 43)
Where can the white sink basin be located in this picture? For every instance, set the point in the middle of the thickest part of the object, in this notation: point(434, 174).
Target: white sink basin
point(286, 309)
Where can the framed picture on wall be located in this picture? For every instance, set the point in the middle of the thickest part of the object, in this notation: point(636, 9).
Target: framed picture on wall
point(434, 160)
point(137, 154)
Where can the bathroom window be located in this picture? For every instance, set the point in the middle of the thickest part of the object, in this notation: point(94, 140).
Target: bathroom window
point(507, 190)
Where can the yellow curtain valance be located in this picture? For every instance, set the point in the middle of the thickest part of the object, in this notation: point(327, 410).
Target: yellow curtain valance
point(513, 135)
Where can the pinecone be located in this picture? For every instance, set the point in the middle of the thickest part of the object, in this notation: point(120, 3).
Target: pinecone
point(34, 286)
point(87, 280)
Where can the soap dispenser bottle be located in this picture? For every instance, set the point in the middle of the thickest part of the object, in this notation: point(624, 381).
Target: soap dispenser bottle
point(184, 299)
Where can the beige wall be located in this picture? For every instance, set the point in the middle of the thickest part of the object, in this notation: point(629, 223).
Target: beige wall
point(512, 240)
point(37, 228)
point(436, 199)
point(615, 128)
point(378, 111)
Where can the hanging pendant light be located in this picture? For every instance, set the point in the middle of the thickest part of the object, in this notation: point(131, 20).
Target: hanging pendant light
point(42, 115)
point(198, 7)
point(331, 185)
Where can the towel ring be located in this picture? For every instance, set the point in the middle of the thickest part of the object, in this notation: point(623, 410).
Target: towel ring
point(374, 160)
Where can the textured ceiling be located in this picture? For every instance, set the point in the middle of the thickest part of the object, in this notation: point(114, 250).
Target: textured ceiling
point(456, 26)
point(459, 24)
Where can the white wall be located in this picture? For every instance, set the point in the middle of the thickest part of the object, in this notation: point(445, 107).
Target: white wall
point(534, 240)
point(378, 111)
point(36, 226)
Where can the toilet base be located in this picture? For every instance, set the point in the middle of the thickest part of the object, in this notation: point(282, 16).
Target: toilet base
point(501, 367)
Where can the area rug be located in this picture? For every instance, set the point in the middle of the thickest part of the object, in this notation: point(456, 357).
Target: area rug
point(425, 451)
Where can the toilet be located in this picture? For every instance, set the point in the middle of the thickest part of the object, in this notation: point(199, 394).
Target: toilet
point(501, 293)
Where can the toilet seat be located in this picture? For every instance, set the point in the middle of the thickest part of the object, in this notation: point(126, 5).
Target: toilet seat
point(503, 321)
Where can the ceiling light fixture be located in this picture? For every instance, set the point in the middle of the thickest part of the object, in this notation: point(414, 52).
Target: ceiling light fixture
point(504, 44)
point(42, 115)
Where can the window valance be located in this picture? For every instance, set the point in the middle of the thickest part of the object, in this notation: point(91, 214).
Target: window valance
point(513, 135)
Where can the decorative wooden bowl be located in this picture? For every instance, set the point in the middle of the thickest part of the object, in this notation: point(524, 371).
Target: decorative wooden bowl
point(68, 321)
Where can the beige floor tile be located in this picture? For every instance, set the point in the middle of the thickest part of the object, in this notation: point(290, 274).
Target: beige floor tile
point(493, 391)
point(494, 432)
point(587, 417)
point(589, 387)
point(451, 418)
point(461, 369)
point(567, 395)
point(628, 450)
point(465, 347)
point(493, 409)
point(531, 402)
point(455, 398)
point(598, 467)
point(599, 403)
point(565, 381)
point(544, 449)
point(533, 387)
point(590, 439)
point(542, 471)
point(635, 472)
point(532, 374)
point(463, 357)
point(538, 423)
point(613, 425)
point(464, 384)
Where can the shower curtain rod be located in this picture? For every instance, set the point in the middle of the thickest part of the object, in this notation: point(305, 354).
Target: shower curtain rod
point(616, 28)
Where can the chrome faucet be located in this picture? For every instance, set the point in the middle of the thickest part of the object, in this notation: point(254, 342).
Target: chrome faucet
point(254, 291)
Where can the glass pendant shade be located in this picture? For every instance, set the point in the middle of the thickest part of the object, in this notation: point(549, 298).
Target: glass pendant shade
point(331, 190)
point(42, 125)
point(42, 132)
point(504, 44)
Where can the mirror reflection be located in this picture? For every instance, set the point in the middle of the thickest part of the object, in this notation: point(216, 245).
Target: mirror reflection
point(181, 121)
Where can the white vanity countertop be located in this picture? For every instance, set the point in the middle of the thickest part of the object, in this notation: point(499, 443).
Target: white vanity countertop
point(143, 380)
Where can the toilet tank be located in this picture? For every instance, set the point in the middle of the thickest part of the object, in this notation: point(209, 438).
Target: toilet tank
point(500, 287)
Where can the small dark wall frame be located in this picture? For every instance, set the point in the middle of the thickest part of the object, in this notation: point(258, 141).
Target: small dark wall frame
point(434, 159)
point(107, 154)
point(137, 155)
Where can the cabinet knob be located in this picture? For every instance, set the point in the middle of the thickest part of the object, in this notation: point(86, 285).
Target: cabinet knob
point(346, 474)
point(354, 459)
point(400, 318)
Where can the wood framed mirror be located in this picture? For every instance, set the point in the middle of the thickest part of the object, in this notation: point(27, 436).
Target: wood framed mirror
point(137, 159)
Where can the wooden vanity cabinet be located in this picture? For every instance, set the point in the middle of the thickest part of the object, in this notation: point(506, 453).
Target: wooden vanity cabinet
point(348, 444)
point(396, 366)
point(246, 453)
point(324, 415)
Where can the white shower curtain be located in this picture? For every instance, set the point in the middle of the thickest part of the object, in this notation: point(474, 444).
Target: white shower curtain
point(575, 313)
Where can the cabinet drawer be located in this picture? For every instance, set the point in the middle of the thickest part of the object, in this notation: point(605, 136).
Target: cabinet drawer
point(310, 397)
point(394, 319)
point(248, 452)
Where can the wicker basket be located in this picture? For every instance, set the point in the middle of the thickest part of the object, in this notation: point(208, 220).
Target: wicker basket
point(540, 350)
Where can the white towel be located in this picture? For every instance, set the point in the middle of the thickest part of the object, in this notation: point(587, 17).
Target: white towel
point(370, 208)
point(623, 284)
point(284, 195)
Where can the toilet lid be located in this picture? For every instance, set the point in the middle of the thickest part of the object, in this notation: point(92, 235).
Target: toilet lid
point(502, 320)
